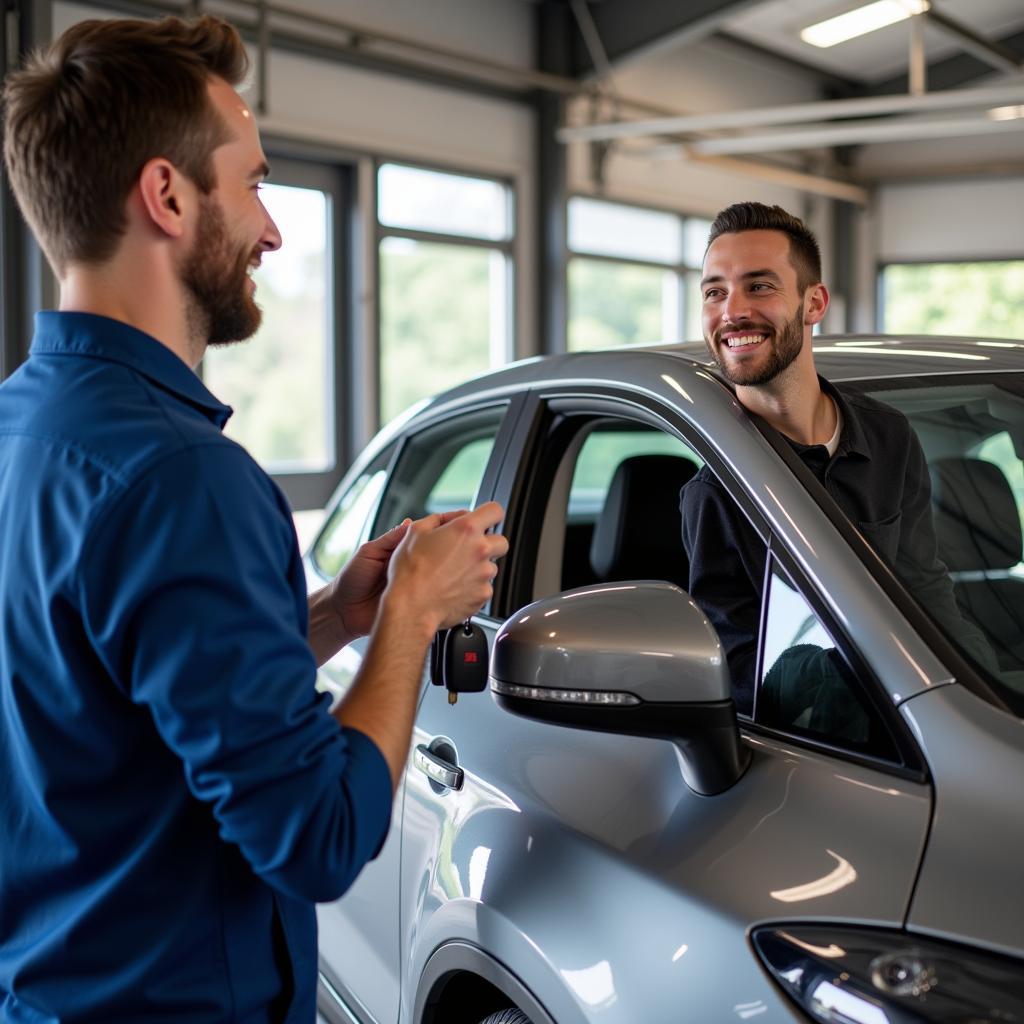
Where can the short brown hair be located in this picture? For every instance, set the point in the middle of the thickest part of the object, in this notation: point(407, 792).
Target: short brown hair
point(804, 253)
point(87, 112)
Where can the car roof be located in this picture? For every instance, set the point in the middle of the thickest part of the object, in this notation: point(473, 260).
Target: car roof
point(851, 357)
point(846, 357)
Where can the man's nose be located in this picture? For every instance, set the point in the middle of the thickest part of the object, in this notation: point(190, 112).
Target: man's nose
point(271, 238)
point(736, 307)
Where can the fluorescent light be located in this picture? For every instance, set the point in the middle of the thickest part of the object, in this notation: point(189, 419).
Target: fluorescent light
point(861, 21)
point(1006, 113)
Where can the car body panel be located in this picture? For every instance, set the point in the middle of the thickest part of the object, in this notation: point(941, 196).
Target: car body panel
point(979, 820)
point(525, 870)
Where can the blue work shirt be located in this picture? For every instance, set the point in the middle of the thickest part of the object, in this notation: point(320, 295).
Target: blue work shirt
point(174, 795)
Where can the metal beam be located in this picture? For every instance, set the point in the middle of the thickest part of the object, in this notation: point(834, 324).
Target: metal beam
point(952, 72)
point(26, 282)
point(853, 133)
point(831, 188)
point(796, 113)
point(632, 29)
point(329, 38)
point(553, 32)
point(992, 53)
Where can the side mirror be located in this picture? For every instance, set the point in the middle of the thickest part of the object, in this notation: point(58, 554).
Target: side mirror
point(633, 658)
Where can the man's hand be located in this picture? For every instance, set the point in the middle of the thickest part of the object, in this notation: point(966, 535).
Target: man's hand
point(442, 570)
point(439, 572)
point(355, 592)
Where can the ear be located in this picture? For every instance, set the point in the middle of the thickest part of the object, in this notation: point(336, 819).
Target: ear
point(815, 303)
point(165, 193)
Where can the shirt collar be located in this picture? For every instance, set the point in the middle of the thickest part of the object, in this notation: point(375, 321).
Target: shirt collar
point(100, 337)
point(852, 440)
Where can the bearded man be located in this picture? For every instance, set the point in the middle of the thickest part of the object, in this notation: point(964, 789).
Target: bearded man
point(176, 795)
point(762, 294)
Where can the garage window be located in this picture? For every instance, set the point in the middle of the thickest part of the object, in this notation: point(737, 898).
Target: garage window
point(446, 281)
point(983, 299)
point(634, 274)
point(282, 383)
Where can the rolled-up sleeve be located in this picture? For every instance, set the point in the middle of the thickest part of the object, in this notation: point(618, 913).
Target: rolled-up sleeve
point(192, 591)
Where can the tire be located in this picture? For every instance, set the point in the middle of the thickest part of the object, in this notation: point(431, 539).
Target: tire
point(510, 1016)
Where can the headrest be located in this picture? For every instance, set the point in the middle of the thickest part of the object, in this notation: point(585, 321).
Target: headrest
point(976, 520)
point(639, 534)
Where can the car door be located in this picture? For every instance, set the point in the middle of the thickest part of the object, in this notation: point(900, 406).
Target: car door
point(581, 862)
point(439, 464)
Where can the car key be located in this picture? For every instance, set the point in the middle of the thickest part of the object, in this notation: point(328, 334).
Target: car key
point(437, 657)
point(465, 660)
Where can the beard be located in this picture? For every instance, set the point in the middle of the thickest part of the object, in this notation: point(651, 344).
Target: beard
point(215, 274)
point(785, 346)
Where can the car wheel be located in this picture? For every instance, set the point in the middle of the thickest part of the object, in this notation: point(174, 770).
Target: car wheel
point(510, 1016)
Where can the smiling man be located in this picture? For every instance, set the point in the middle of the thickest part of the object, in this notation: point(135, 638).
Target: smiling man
point(176, 795)
point(762, 294)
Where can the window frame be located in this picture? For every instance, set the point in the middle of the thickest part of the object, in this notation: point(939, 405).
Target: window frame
point(681, 269)
point(507, 248)
point(908, 763)
point(312, 489)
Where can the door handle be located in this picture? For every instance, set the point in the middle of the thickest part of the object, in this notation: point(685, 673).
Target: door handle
point(437, 769)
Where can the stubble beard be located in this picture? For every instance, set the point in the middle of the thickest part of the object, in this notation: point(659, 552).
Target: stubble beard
point(221, 309)
point(785, 347)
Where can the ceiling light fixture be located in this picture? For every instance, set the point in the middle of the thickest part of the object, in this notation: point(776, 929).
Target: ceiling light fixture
point(862, 20)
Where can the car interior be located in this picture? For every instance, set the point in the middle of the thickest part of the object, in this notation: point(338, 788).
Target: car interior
point(613, 509)
point(973, 438)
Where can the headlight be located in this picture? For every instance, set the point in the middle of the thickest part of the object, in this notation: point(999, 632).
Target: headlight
point(870, 976)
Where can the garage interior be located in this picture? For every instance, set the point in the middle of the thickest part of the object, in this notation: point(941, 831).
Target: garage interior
point(461, 183)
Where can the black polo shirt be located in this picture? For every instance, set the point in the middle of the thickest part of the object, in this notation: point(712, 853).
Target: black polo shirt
point(878, 476)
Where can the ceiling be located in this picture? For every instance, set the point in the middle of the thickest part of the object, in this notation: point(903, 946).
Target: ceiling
point(631, 30)
point(775, 25)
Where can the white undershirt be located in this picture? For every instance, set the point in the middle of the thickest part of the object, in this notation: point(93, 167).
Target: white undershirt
point(833, 442)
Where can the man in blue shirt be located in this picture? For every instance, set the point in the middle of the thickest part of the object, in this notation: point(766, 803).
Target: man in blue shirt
point(175, 794)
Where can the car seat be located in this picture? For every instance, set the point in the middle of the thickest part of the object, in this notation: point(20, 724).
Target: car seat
point(978, 529)
point(638, 535)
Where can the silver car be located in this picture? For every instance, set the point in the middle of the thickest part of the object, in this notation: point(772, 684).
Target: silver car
point(600, 838)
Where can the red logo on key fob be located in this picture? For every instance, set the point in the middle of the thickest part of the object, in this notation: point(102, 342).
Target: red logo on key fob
point(469, 658)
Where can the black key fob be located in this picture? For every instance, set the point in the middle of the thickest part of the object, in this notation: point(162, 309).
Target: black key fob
point(437, 657)
point(465, 659)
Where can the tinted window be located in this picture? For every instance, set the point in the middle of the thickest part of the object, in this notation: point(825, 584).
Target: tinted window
point(440, 468)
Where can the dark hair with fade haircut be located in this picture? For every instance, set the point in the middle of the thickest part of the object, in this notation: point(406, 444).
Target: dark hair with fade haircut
point(804, 253)
point(87, 112)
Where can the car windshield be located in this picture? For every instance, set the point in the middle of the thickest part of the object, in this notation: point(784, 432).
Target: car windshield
point(972, 433)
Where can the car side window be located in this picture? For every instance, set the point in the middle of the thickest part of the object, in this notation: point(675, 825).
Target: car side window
point(440, 468)
point(806, 685)
point(345, 528)
point(613, 508)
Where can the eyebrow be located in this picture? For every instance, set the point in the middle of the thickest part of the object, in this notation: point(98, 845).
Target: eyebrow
point(260, 173)
point(715, 278)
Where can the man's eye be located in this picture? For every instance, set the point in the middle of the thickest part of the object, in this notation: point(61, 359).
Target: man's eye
point(711, 293)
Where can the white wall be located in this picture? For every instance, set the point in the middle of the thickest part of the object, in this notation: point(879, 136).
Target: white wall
point(953, 220)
